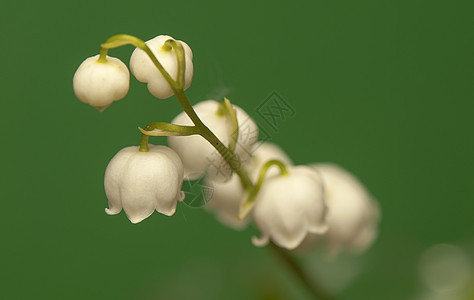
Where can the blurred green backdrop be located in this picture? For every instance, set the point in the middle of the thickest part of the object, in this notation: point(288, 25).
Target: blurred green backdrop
point(384, 88)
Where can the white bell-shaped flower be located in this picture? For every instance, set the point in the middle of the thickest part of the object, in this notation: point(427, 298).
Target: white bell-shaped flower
point(198, 155)
point(227, 197)
point(353, 214)
point(145, 71)
point(101, 83)
point(289, 207)
point(142, 182)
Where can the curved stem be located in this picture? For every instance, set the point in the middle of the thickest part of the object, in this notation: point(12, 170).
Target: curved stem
point(264, 170)
point(103, 55)
point(313, 287)
point(206, 133)
point(249, 202)
point(125, 39)
point(179, 50)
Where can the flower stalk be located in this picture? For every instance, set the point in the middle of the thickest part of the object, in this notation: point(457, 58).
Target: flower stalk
point(120, 40)
point(313, 287)
point(253, 192)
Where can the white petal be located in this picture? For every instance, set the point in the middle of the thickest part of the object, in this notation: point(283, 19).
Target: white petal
point(262, 241)
point(286, 207)
point(248, 134)
point(352, 215)
point(225, 201)
point(112, 179)
point(369, 231)
point(99, 84)
point(145, 71)
point(180, 197)
point(144, 181)
point(138, 187)
point(142, 66)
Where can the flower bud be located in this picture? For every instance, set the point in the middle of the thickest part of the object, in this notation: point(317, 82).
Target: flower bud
point(352, 212)
point(290, 206)
point(226, 197)
point(101, 83)
point(142, 182)
point(145, 70)
point(198, 155)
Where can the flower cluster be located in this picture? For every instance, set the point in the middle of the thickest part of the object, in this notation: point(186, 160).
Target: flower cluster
point(101, 79)
point(319, 202)
point(294, 206)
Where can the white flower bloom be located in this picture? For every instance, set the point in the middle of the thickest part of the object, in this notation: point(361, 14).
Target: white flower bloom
point(145, 71)
point(225, 200)
point(226, 197)
point(289, 207)
point(101, 83)
point(353, 214)
point(142, 182)
point(198, 155)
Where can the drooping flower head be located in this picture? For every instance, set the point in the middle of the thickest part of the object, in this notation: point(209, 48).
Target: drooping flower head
point(353, 214)
point(227, 197)
point(142, 182)
point(289, 207)
point(145, 71)
point(100, 83)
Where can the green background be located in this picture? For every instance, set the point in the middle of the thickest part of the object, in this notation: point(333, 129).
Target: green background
point(383, 88)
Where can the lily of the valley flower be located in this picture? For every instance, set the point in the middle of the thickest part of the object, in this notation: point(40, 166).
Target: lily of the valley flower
point(226, 198)
point(225, 201)
point(198, 155)
point(145, 71)
point(289, 207)
point(142, 182)
point(100, 83)
point(353, 214)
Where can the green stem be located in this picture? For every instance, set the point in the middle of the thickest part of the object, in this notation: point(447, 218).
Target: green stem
point(143, 143)
point(313, 287)
point(213, 140)
point(205, 132)
point(249, 202)
point(125, 39)
point(264, 170)
point(103, 55)
point(179, 51)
